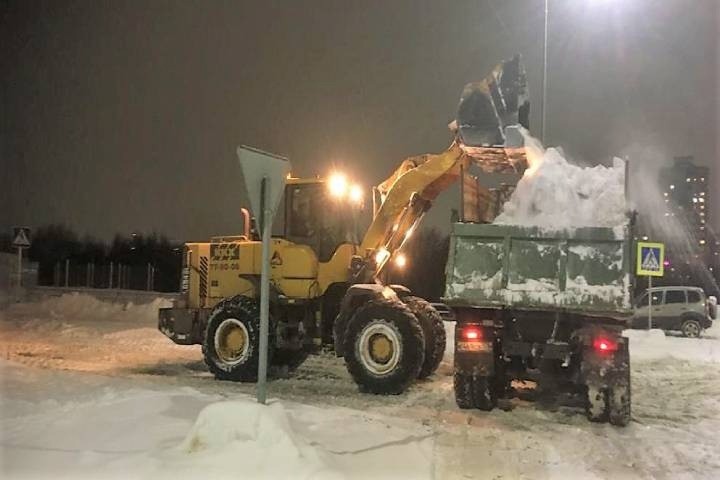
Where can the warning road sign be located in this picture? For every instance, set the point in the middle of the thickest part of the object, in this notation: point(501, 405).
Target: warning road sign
point(650, 259)
point(21, 236)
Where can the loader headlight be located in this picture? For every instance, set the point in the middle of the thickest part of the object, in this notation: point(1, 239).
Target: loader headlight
point(381, 255)
point(356, 194)
point(338, 185)
point(400, 260)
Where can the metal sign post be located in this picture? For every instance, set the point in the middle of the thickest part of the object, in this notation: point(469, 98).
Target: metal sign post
point(264, 175)
point(264, 291)
point(651, 263)
point(650, 302)
point(21, 239)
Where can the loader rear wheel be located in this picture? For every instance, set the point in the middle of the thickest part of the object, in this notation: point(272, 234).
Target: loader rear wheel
point(231, 346)
point(384, 347)
point(433, 330)
point(473, 391)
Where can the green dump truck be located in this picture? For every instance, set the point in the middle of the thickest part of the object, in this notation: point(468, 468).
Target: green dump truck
point(542, 305)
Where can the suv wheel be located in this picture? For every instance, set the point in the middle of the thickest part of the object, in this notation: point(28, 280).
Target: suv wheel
point(691, 328)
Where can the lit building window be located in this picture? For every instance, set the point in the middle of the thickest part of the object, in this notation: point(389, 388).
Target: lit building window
point(687, 179)
point(665, 193)
point(702, 242)
point(672, 187)
point(695, 200)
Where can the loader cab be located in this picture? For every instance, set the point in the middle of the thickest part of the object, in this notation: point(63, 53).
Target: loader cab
point(313, 216)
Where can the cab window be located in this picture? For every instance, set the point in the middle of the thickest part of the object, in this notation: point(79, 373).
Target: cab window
point(675, 296)
point(656, 299)
point(314, 220)
point(693, 296)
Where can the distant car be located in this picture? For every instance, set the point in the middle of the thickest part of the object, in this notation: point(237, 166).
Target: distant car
point(445, 312)
point(683, 309)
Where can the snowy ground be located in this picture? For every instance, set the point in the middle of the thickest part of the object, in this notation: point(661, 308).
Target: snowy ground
point(92, 390)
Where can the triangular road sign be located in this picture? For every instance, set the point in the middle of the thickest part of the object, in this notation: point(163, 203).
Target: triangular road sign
point(650, 262)
point(21, 236)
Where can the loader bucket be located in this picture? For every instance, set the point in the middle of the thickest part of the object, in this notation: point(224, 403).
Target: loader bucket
point(489, 107)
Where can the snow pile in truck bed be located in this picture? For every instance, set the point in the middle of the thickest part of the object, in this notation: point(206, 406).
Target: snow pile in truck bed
point(556, 194)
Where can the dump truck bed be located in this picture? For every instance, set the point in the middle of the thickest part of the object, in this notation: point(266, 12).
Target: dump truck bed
point(587, 270)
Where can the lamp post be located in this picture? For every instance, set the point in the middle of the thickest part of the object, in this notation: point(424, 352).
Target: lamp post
point(544, 80)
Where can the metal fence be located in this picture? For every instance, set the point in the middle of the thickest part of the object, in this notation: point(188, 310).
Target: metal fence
point(109, 275)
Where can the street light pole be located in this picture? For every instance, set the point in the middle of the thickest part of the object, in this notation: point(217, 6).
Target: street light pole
point(544, 81)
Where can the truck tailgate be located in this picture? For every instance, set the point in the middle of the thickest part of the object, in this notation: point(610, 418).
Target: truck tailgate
point(586, 269)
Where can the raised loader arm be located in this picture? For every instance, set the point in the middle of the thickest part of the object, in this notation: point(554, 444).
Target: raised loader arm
point(487, 134)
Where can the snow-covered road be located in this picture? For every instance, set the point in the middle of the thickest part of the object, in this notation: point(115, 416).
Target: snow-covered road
point(92, 390)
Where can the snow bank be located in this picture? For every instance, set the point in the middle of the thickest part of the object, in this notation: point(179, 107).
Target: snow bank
point(650, 345)
point(83, 307)
point(249, 440)
point(556, 194)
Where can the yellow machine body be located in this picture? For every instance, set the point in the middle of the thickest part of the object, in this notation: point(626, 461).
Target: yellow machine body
point(225, 267)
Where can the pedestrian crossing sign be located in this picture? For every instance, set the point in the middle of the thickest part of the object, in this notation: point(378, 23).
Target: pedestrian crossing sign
point(650, 259)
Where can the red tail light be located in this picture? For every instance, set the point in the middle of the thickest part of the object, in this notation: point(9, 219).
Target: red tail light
point(471, 334)
point(602, 344)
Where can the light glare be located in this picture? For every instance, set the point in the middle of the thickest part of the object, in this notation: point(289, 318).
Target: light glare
point(337, 184)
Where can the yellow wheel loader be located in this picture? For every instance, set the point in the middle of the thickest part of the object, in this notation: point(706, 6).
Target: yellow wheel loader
point(326, 284)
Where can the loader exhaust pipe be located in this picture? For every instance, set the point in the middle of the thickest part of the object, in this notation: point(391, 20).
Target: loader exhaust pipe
point(246, 222)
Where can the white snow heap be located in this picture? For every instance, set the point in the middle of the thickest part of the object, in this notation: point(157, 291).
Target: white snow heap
point(556, 194)
point(253, 441)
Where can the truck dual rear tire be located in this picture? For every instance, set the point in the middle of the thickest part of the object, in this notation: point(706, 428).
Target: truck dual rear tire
point(474, 391)
point(433, 331)
point(231, 346)
point(384, 347)
point(611, 403)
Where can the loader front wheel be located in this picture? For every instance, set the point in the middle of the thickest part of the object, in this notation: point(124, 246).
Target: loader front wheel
point(231, 346)
point(384, 347)
point(433, 331)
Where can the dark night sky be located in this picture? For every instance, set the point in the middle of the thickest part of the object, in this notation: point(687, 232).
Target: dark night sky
point(124, 116)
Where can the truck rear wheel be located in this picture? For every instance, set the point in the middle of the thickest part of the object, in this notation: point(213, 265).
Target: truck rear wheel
point(619, 400)
point(384, 347)
point(596, 405)
point(231, 346)
point(433, 331)
point(289, 359)
point(473, 391)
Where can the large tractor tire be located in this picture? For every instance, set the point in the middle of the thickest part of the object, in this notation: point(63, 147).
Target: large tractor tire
point(232, 340)
point(433, 331)
point(474, 391)
point(384, 347)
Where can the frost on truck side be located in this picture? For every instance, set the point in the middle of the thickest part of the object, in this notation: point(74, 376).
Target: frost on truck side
point(538, 268)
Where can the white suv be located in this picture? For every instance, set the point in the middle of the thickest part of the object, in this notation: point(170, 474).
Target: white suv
point(684, 309)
